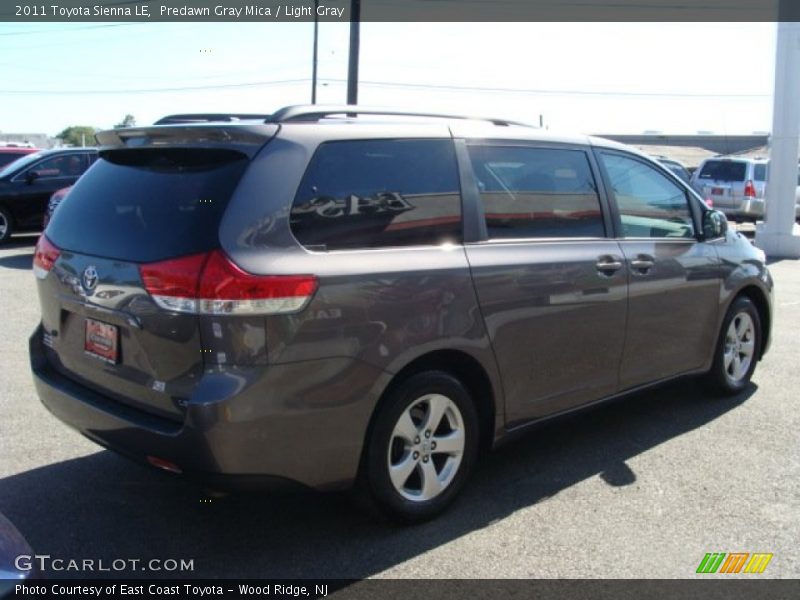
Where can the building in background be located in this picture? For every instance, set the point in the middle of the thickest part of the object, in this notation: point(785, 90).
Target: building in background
point(37, 140)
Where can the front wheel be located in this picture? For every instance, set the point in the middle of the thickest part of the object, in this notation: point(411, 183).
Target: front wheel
point(737, 348)
point(6, 225)
point(422, 446)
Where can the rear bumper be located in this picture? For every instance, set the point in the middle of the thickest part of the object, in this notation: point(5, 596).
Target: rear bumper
point(248, 428)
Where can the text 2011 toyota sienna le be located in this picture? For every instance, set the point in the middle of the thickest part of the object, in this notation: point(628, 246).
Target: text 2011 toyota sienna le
point(325, 297)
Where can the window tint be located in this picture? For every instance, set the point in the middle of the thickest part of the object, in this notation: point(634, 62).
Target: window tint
point(537, 192)
point(760, 172)
point(723, 170)
point(148, 205)
point(650, 205)
point(379, 193)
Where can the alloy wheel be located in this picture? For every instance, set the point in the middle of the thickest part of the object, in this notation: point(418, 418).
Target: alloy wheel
point(739, 348)
point(426, 448)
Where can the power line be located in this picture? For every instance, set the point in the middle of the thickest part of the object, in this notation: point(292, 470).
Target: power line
point(192, 88)
point(156, 78)
point(556, 92)
point(66, 29)
point(393, 84)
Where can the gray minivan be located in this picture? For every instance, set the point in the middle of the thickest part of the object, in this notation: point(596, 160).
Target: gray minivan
point(328, 296)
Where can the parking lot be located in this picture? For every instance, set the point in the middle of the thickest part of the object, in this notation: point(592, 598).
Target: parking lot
point(643, 487)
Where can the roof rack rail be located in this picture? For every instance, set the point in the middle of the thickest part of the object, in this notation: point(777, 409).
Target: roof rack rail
point(209, 118)
point(310, 113)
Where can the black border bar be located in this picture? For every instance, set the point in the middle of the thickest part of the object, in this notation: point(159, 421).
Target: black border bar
point(264, 11)
point(710, 588)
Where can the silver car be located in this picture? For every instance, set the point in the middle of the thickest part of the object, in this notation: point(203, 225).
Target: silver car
point(735, 186)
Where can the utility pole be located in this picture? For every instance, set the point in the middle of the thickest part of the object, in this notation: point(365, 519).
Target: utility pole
point(355, 35)
point(778, 236)
point(314, 57)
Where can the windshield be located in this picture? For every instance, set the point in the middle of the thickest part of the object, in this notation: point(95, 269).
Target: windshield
point(21, 163)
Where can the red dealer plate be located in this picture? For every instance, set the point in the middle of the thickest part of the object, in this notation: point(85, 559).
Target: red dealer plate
point(102, 341)
point(717, 191)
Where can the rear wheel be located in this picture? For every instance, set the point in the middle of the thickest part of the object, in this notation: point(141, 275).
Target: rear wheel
point(737, 348)
point(6, 225)
point(422, 446)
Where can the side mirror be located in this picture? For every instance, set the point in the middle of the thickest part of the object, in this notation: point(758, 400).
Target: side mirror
point(715, 224)
point(31, 176)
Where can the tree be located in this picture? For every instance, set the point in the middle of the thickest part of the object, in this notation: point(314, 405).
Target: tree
point(78, 135)
point(128, 121)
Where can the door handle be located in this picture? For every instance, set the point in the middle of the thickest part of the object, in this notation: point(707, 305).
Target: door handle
point(608, 265)
point(642, 263)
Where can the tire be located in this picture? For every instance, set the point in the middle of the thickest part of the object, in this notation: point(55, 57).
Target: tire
point(6, 225)
point(430, 471)
point(737, 350)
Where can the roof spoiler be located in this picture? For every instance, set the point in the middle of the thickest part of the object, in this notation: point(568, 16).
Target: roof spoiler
point(209, 118)
point(247, 139)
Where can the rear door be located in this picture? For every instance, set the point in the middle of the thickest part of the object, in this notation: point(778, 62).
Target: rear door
point(674, 278)
point(551, 284)
point(136, 212)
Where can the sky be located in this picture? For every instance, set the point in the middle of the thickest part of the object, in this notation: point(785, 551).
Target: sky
point(580, 77)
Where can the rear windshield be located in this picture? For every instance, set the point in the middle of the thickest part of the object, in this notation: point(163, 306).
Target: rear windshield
point(148, 205)
point(724, 170)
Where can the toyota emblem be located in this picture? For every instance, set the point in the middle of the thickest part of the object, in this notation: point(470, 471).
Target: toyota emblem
point(90, 278)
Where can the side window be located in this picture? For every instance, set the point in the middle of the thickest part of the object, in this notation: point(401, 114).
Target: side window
point(537, 192)
point(650, 205)
point(71, 165)
point(379, 193)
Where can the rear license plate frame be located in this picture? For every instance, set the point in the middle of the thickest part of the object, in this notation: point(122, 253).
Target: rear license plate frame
point(101, 341)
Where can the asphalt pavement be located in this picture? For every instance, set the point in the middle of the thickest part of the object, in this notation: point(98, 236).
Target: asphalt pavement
point(641, 487)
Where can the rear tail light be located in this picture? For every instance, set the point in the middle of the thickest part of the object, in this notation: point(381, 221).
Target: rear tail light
point(44, 257)
point(710, 202)
point(210, 284)
point(173, 283)
point(749, 190)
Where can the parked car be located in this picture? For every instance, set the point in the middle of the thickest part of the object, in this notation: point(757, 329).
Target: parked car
point(323, 299)
point(9, 154)
point(677, 168)
point(27, 184)
point(736, 186)
point(52, 205)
